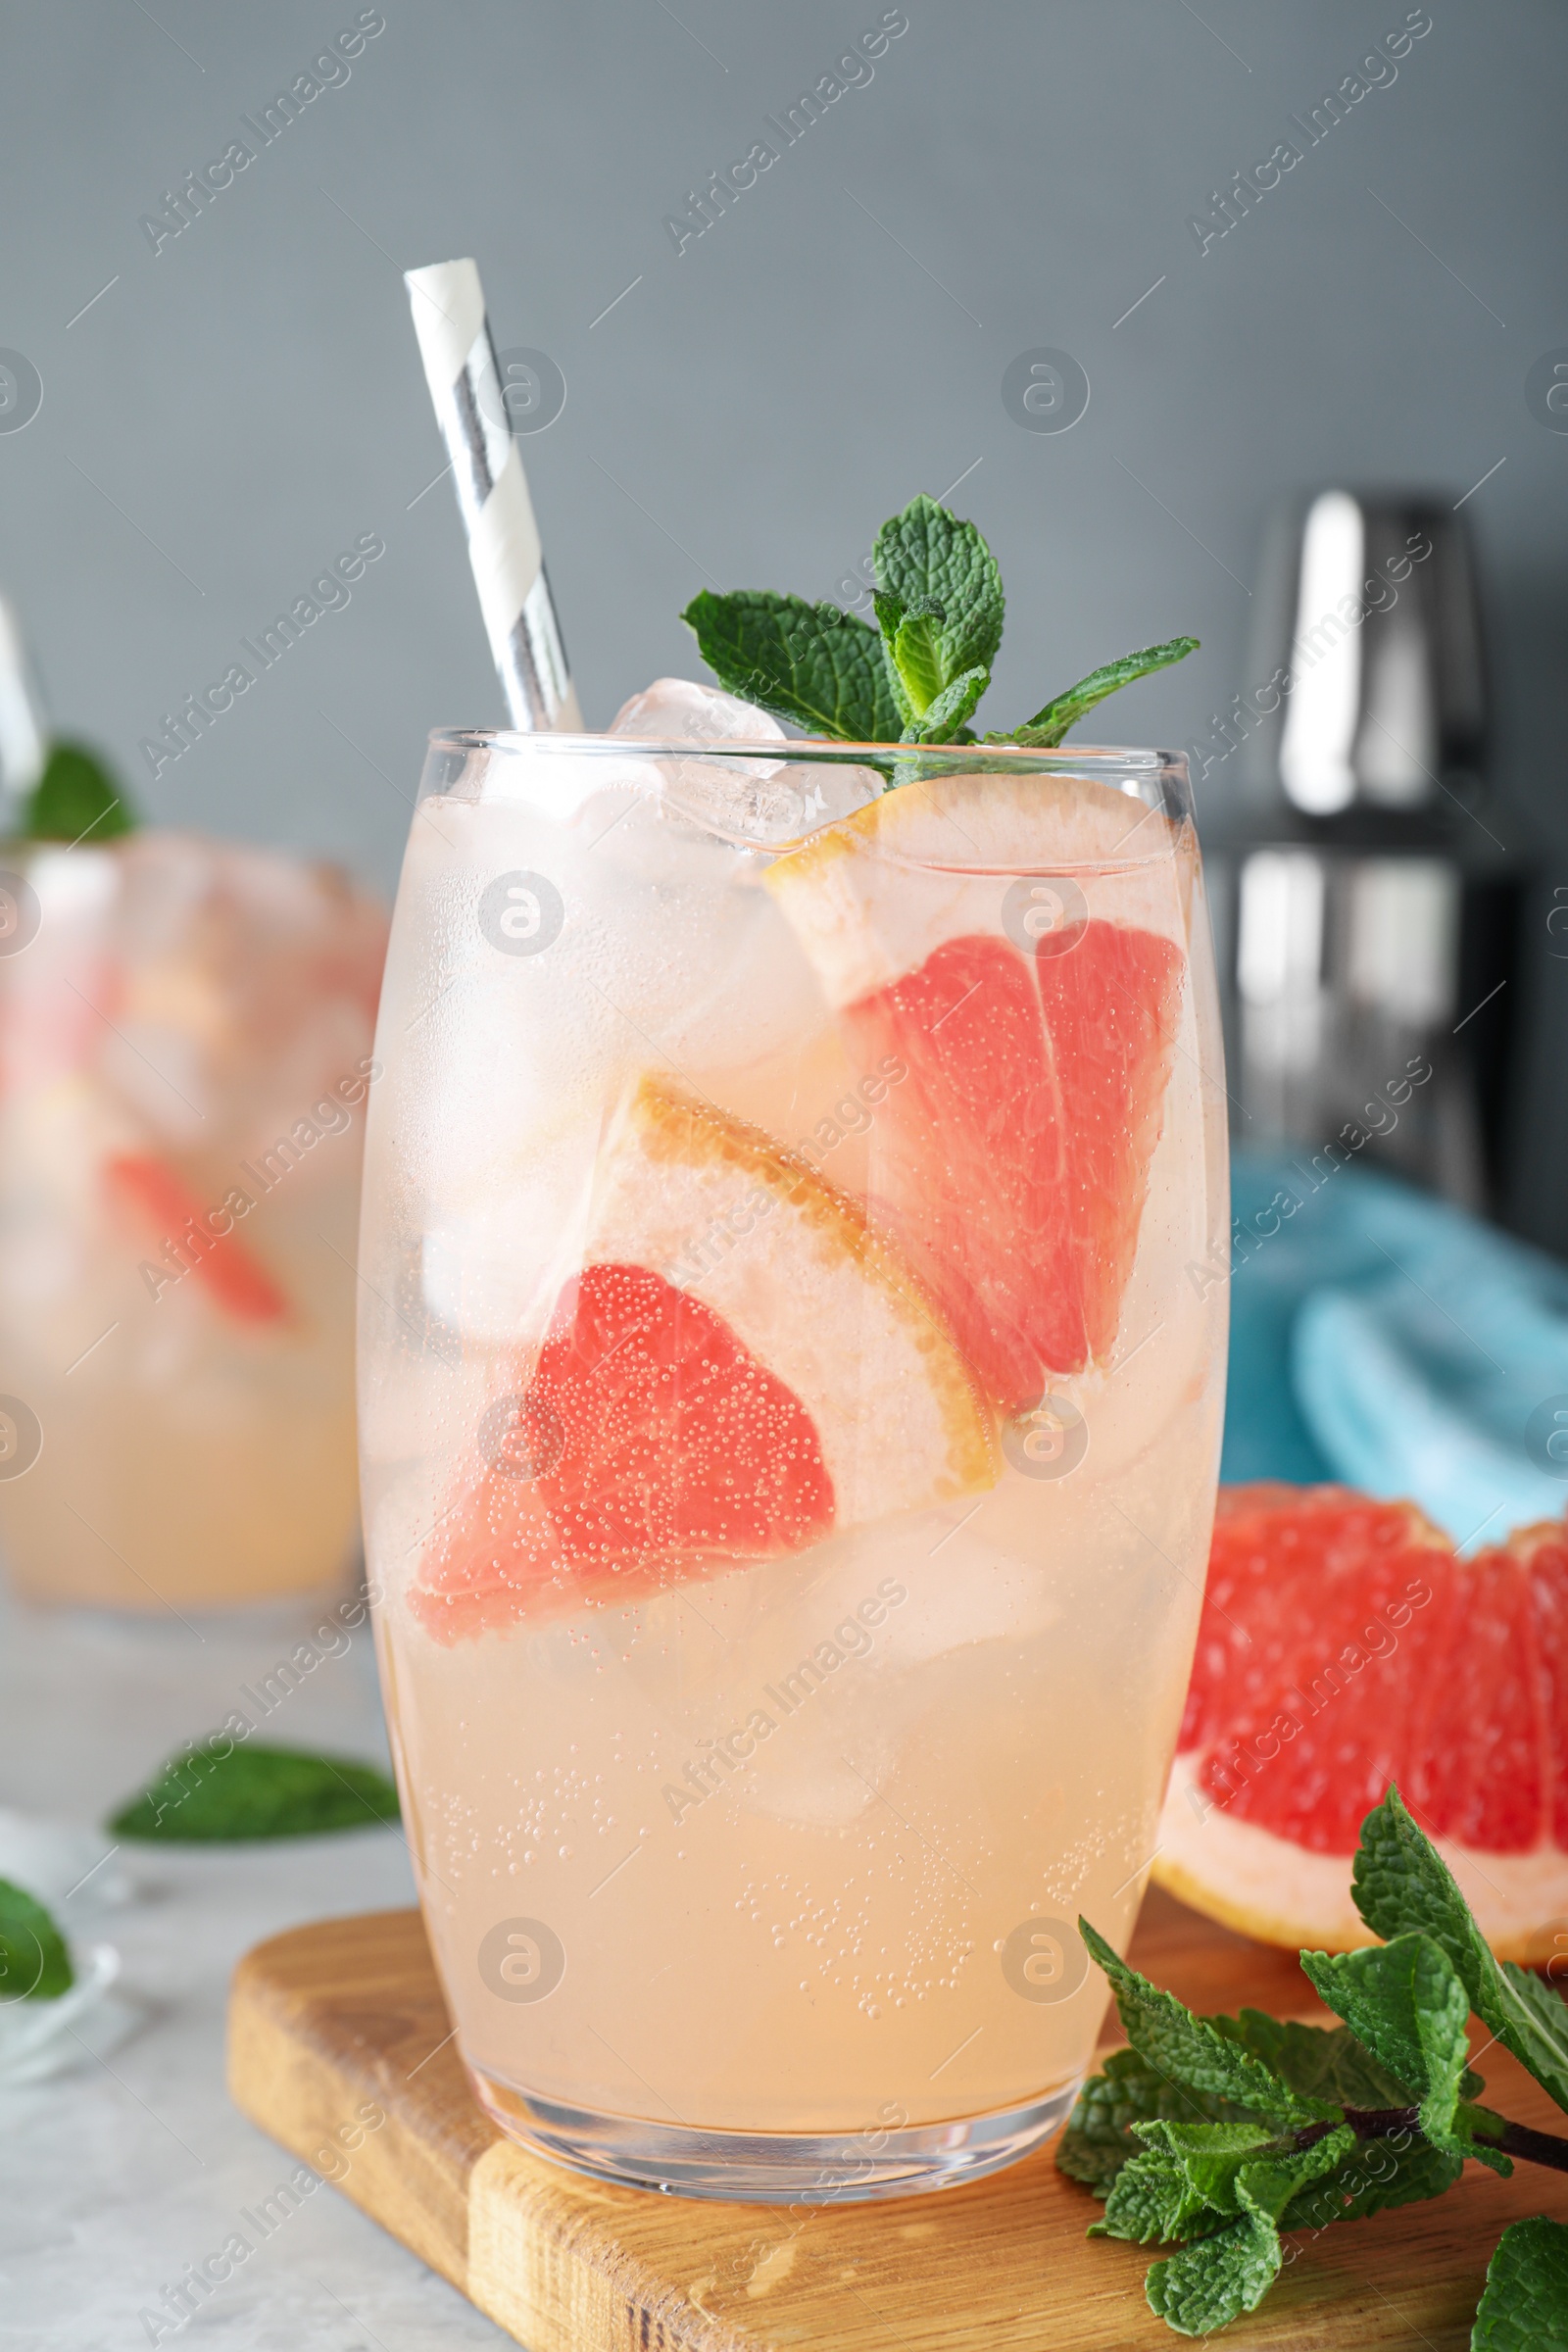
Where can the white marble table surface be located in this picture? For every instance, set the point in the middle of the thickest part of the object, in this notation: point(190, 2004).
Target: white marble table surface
point(115, 2176)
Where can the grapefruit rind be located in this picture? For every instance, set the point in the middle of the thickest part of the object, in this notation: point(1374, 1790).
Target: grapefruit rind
point(971, 836)
point(1258, 1884)
point(820, 1299)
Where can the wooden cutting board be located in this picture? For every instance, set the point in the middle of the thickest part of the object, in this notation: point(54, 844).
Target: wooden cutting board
point(343, 2018)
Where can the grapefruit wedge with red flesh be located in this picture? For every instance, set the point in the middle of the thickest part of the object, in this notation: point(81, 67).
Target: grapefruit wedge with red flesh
point(1344, 1645)
point(1018, 946)
point(741, 1368)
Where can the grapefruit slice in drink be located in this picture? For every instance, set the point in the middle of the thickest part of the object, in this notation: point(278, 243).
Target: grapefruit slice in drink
point(741, 1368)
point(163, 1204)
point(1019, 946)
point(1345, 1645)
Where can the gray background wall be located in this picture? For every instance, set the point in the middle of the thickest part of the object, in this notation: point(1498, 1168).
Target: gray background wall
point(237, 406)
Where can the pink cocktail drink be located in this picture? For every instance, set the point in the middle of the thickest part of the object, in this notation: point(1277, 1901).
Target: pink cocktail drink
point(789, 1429)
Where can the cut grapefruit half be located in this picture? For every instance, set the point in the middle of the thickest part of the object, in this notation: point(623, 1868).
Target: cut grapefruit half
point(741, 1368)
point(1344, 1645)
point(1016, 945)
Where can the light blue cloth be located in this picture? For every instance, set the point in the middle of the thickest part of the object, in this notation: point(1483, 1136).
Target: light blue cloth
point(1385, 1339)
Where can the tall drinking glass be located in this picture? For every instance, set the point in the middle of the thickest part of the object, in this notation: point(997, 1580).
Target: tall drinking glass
point(790, 1424)
point(185, 1030)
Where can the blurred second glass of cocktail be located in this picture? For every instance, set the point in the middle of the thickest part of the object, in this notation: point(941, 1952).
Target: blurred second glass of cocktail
point(185, 1033)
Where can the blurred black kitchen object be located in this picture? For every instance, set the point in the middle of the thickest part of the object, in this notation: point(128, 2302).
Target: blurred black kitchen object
point(1367, 910)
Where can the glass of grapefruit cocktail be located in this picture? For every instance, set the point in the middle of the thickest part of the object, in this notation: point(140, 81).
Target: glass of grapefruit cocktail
point(790, 1428)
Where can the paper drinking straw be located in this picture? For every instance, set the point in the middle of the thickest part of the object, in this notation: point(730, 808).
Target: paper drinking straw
point(23, 735)
point(460, 367)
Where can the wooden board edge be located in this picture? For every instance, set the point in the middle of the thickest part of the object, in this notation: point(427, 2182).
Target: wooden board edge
point(559, 2280)
point(294, 2085)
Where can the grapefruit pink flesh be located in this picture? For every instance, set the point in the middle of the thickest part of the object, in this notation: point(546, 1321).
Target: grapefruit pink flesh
point(653, 1434)
point(1013, 1161)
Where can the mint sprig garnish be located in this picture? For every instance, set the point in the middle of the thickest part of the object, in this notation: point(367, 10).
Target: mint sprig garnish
point(221, 1792)
point(75, 799)
point(918, 677)
point(1218, 2134)
point(34, 1964)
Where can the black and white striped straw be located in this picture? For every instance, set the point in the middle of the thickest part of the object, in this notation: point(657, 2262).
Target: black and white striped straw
point(460, 367)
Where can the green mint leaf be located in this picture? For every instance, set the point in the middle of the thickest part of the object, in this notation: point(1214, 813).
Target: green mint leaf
point(917, 652)
point(1527, 2016)
point(1230, 2270)
point(1047, 726)
point(819, 669)
point(1099, 2138)
point(1213, 2282)
point(75, 799)
point(1402, 1885)
point(34, 1964)
point(1237, 2167)
point(1208, 2285)
point(1188, 2049)
point(889, 620)
point(1376, 2176)
point(1525, 2305)
point(1321, 2062)
point(1382, 1995)
point(926, 554)
point(1153, 2202)
point(1271, 2184)
point(944, 720)
point(1405, 2000)
point(223, 1791)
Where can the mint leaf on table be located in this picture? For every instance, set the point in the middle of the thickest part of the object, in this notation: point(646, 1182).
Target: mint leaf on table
point(812, 664)
point(1152, 2199)
point(219, 1794)
point(1046, 729)
point(1208, 2285)
point(1100, 2139)
point(1402, 1885)
point(1321, 2062)
point(1376, 2177)
point(1191, 2051)
point(1309, 2126)
point(34, 1964)
point(925, 557)
point(1525, 2305)
point(1405, 2001)
point(1230, 2270)
point(75, 799)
